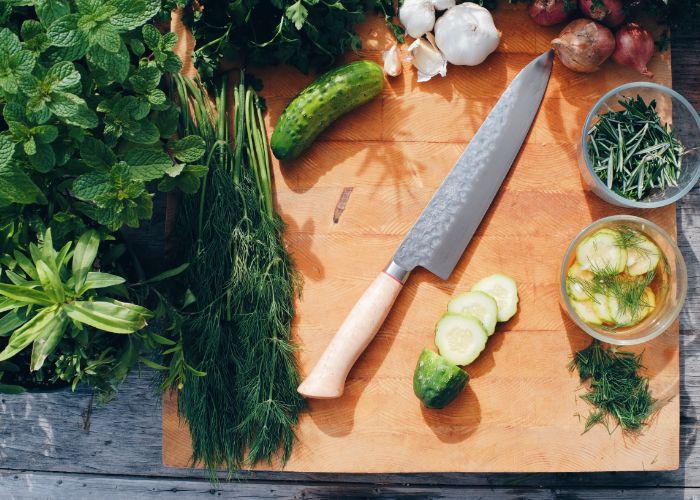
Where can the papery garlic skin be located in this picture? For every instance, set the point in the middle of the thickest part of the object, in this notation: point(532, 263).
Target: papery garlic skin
point(427, 59)
point(392, 61)
point(466, 34)
point(417, 17)
point(443, 4)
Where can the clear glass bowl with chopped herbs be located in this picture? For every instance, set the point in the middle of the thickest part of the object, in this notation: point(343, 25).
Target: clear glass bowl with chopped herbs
point(623, 280)
point(640, 146)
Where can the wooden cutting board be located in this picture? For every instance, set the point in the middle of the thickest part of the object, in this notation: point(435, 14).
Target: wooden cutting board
point(348, 202)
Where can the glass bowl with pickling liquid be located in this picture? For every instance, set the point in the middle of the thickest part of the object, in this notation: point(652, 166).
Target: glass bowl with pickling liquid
point(623, 280)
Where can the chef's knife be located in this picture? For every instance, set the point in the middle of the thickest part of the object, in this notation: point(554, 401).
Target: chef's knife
point(440, 235)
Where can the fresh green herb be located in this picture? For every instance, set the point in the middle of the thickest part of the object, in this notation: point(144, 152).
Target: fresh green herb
point(238, 330)
point(633, 152)
point(616, 389)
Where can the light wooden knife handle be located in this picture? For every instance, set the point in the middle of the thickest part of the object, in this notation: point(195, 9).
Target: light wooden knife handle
point(327, 379)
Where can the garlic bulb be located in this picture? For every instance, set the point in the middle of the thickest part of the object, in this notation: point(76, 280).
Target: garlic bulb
point(426, 58)
point(443, 4)
point(417, 16)
point(392, 61)
point(466, 35)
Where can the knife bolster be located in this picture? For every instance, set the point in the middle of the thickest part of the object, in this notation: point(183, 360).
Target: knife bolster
point(397, 272)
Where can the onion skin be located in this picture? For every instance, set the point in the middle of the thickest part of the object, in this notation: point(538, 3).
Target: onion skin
point(612, 15)
point(549, 12)
point(634, 46)
point(583, 45)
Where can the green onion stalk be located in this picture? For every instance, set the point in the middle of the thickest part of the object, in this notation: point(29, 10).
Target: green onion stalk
point(238, 331)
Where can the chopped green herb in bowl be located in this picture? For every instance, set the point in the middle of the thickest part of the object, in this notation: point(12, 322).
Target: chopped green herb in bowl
point(639, 146)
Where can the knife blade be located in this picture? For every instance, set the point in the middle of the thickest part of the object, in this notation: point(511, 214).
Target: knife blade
point(443, 230)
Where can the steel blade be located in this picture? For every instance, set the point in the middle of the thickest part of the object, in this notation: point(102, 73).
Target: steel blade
point(443, 230)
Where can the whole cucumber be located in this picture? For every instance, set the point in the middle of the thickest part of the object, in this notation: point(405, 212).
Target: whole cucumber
point(331, 95)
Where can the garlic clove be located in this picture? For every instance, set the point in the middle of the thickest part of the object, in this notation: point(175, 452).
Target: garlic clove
point(417, 16)
point(392, 61)
point(426, 58)
point(443, 4)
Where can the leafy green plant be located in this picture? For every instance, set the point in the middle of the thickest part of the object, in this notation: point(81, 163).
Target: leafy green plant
point(50, 292)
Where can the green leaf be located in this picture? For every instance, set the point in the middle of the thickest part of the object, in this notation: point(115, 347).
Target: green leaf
point(107, 316)
point(46, 320)
point(297, 13)
point(11, 389)
point(108, 38)
point(50, 282)
point(44, 134)
point(43, 159)
point(11, 321)
point(114, 63)
point(161, 340)
point(151, 36)
point(48, 340)
point(132, 14)
point(64, 32)
point(156, 96)
point(26, 265)
point(49, 10)
point(96, 154)
point(72, 110)
point(152, 364)
point(84, 256)
point(93, 186)
point(17, 187)
point(170, 273)
point(142, 132)
point(147, 164)
point(25, 295)
point(189, 148)
point(187, 181)
point(100, 280)
point(62, 76)
point(34, 36)
point(7, 151)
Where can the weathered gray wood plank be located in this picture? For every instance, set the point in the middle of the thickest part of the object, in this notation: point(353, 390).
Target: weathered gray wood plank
point(120, 444)
point(20, 486)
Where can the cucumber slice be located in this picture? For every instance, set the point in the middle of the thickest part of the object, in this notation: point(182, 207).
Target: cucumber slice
point(575, 284)
point(478, 305)
point(642, 258)
point(620, 317)
point(648, 303)
point(585, 310)
point(504, 290)
point(601, 305)
point(460, 339)
point(602, 251)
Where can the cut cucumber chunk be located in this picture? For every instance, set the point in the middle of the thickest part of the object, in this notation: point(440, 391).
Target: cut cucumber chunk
point(460, 339)
point(504, 290)
point(436, 381)
point(643, 257)
point(575, 284)
point(647, 304)
point(601, 305)
point(585, 310)
point(478, 305)
point(602, 252)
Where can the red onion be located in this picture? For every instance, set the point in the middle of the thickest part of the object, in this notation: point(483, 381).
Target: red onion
point(583, 45)
point(611, 14)
point(549, 12)
point(634, 46)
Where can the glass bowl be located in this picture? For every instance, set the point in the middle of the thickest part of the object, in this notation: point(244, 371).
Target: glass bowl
point(670, 294)
point(673, 109)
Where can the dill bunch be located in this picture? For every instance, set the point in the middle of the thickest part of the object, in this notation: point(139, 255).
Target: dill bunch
point(244, 410)
point(617, 392)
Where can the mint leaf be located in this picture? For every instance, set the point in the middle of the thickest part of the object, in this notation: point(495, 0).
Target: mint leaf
point(166, 121)
point(188, 180)
point(147, 164)
point(189, 149)
point(62, 76)
point(151, 36)
point(96, 154)
point(108, 38)
point(72, 109)
point(132, 14)
point(34, 36)
point(90, 187)
point(64, 32)
point(43, 159)
point(15, 185)
point(142, 132)
point(15, 63)
point(115, 64)
point(49, 10)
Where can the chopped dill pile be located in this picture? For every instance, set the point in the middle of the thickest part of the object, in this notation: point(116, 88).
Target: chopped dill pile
point(617, 391)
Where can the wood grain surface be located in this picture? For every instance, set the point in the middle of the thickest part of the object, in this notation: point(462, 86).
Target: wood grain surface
point(519, 411)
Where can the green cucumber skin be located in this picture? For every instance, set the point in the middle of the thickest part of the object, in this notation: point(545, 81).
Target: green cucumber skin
point(330, 96)
point(436, 381)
